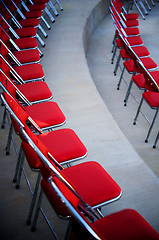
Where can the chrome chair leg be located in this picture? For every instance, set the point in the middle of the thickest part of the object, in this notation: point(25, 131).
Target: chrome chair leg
point(43, 31)
point(117, 64)
point(49, 15)
point(4, 118)
point(40, 40)
point(34, 197)
point(20, 171)
point(157, 137)
point(33, 227)
point(61, 8)
point(121, 77)
point(10, 135)
point(20, 155)
point(151, 126)
point(128, 92)
point(138, 111)
point(53, 8)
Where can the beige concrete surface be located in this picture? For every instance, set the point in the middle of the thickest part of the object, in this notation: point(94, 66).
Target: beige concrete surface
point(68, 76)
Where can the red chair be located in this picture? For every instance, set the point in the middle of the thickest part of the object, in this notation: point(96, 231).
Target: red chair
point(17, 42)
point(35, 92)
point(23, 73)
point(89, 179)
point(130, 65)
point(85, 222)
point(64, 144)
point(152, 99)
point(19, 30)
point(18, 57)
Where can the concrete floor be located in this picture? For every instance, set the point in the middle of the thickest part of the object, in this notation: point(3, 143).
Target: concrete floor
point(91, 116)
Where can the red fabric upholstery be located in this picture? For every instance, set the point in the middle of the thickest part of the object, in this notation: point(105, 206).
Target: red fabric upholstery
point(126, 224)
point(30, 71)
point(145, 82)
point(58, 206)
point(135, 40)
point(29, 22)
point(119, 43)
point(26, 32)
point(63, 144)
point(132, 31)
point(148, 63)
point(130, 66)
point(131, 23)
point(36, 7)
point(33, 14)
point(124, 55)
point(152, 98)
point(131, 16)
point(31, 156)
point(25, 43)
point(46, 114)
point(26, 56)
point(92, 182)
point(141, 51)
point(35, 91)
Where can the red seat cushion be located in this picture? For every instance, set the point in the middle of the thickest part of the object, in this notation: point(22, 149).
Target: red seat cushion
point(26, 32)
point(132, 31)
point(63, 144)
point(27, 56)
point(35, 91)
point(148, 63)
point(135, 40)
point(140, 81)
point(30, 71)
point(131, 16)
point(25, 43)
point(132, 23)
point(141, 51)
point(29, 22)
point(92, 182)
point(46, 114)
point(126, 224)
point(152, 98)
point(33, 14)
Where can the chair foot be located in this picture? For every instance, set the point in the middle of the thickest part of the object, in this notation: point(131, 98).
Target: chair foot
point(28, 222)
point(111, 62)
point(117, 88)
point(14, 180)
point(46, 36)
point(7, 153)
point(2, 126)
point(154, 147)
point(146, 141)
point(114, 73)
point(125, 104)
point(134, 123)
point(33, 229)
point(17, 186)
